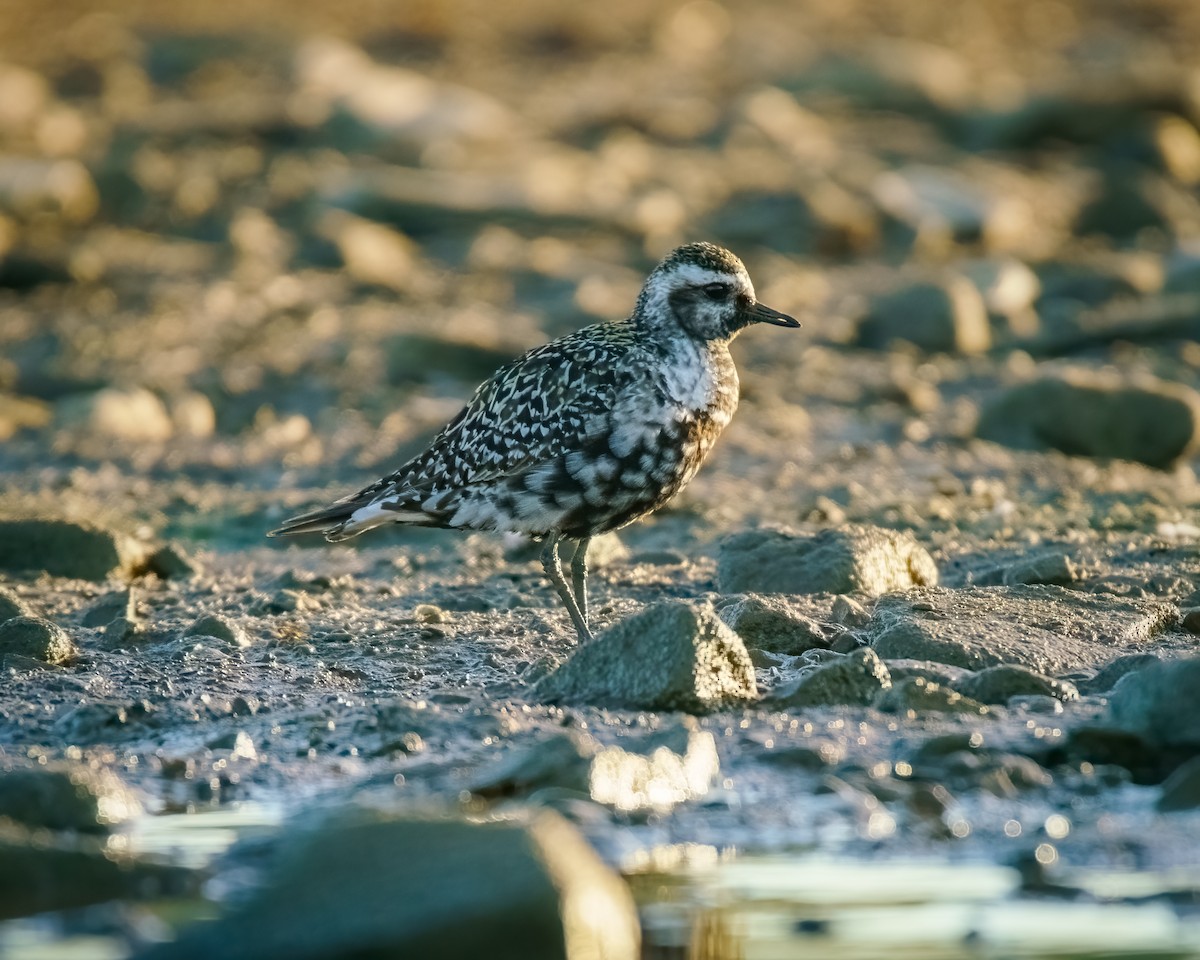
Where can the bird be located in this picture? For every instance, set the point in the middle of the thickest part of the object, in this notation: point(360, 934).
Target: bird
point(584, 434)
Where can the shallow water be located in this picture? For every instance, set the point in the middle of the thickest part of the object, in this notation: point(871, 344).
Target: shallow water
point(700, 904)
point(813, 907)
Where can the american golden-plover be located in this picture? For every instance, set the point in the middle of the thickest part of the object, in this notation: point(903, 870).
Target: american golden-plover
point(584, 434)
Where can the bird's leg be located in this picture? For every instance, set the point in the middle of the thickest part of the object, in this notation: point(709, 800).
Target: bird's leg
point(553, 567)
point(579, 571)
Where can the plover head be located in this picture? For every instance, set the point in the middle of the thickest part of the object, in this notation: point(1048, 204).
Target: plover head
point(703, 290)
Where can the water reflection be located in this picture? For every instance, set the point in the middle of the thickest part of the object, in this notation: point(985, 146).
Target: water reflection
point(815, 908)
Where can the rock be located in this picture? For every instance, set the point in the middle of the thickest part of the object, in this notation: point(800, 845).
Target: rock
point(851, 559)
point(1121, 208)
point(18, 413)
point(134, 415)
point(1178, 146)
point(1107, 676)
point(30, 187)
point(768, 623)
point(848, 612)
point(651, 776)
point(1189, 619)
point(1056, 568)
point(390, 103)
point(856, 678)
point(1085, 414)
point(64, 548)
point(119, 603)
point(193, 415)
point(65, 797)
point(417, 356)
point(1048, 629)
point(222, 628)
point(1181, 791)
point(1001, 683)
point(403, 726)
point(121, 631)
point(169, 562)
point(563, 760)
point(41, 871)
point(784, 221)
point(671, 656)
point(11, 605)
point(941, 206)
point(1183, 271)
point(372, 253)
point(1159, 703)
point(36, 639)
point(1009, 287)
point(946, 317)
point(654, 772)
point(939, 673)
point(407, 887)
point(914, 696)
point(1107, 746)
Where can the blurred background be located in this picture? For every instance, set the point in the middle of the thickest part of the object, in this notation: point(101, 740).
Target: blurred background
point(281, 242)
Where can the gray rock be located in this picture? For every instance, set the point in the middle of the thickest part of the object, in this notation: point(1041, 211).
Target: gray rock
point(1107, 676)
point(916, 695)
point(36, 639)
point(11, 605)
point(942, 205)
point(169, 562)
point(1048, 629)
point(121, 631)
point(1056, 568)
point(848, 612)
point(118, 603)
point(1085, 414)
point(1121, 208)
point(671, 656)
point(769, 623)
point(1001, 683)
point(391, 887)
point(65, 797)
point(42, 871)
point(134, 416)
point(51, 185)
point(222, 628)
point(1183, 271)
point(945, 317)
point(784, 220)
point(1160, 703)
point(939, 673)
point(1082, 284)
point(851, 559)
point(64, 548)
point(856, 678)
point(1181, 791)
point(419, 356)
point(564, 760)
point(402, 726)
point(1009, 287)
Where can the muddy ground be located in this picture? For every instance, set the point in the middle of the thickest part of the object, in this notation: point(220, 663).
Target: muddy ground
point(253, 256)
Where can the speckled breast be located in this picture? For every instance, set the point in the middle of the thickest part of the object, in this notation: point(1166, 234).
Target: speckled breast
point(638, 468)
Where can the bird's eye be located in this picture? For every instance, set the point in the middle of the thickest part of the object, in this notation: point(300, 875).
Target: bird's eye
point(716, 291)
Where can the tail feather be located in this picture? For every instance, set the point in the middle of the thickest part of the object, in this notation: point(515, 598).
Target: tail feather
point(329, 521)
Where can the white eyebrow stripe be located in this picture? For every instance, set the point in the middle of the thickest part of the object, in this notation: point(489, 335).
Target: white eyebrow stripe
point(698, 276)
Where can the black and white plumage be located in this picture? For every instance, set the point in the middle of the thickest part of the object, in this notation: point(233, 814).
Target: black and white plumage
point(584, 434)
